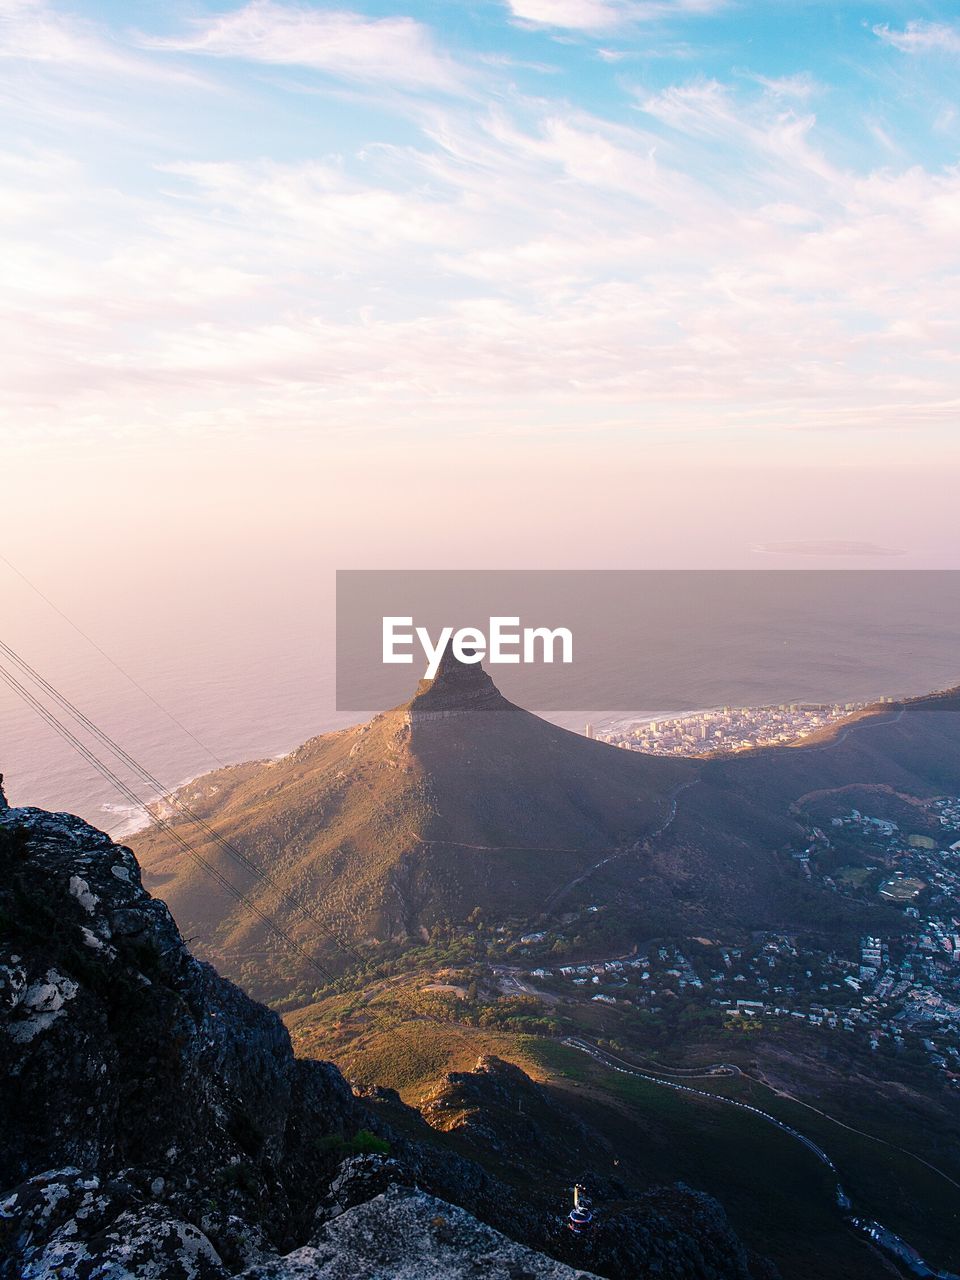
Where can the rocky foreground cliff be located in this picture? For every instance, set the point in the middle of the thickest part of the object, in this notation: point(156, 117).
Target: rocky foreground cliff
point(157, 1124)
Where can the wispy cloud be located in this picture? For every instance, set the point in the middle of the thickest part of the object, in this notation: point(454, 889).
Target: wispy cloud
point(604, 15)
point(799, 87)
point(32, 31)
point(579, 15)
point(694, 256)
point(921, 36)
point(396, 51)
point(710, 111)
point(536, 261)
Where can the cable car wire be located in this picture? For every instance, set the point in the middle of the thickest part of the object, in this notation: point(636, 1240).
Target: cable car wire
point(113, 662)
point(106, 772)
point(305, 914)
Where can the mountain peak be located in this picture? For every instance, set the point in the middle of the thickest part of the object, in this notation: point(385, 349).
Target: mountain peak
point(457, 688)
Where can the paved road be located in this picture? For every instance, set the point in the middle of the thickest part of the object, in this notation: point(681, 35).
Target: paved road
point(870, 722)
point(624, 1068)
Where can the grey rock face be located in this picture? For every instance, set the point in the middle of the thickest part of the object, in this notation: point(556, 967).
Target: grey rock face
point(175, 1100)
point(409, 1235)
point(359, 1179)
point(71, 1226)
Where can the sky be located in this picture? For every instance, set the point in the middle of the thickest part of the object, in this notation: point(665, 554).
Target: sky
point(498, 262)
point(289, 287)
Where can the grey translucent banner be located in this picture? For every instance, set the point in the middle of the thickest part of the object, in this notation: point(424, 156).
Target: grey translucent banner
point(650, 641)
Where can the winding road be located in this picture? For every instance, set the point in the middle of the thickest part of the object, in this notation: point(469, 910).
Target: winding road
point(878, 1234)
point(624, 1068)
point(867, 722)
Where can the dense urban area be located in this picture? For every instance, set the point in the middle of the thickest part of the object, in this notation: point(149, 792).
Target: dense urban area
point(723, 728)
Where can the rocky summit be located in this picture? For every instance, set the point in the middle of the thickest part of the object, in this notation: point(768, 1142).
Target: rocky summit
point(157, 1124)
